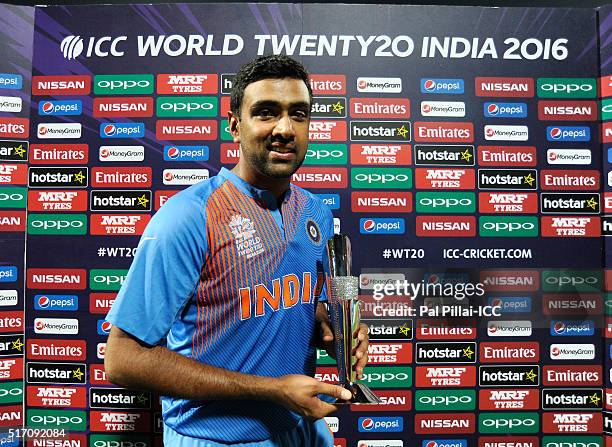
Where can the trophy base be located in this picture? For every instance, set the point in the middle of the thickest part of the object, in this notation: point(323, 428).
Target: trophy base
point(362, 395)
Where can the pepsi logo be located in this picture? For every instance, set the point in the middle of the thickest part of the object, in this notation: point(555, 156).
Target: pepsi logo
point(47, 107)
point(168, 176)
point(493, 109)
point(490, 132)
point(110, 129)
point(429, 85)
point(362, 84)
point(559, 327)
point(369, 225)
point(496, 303)
point(106, 327)
point(173, 153)
point(432, 444)
point(40, 325)
point(44, 302)
point(555, 133)
point(367, 424)
point(42, 130)
point(426, 108)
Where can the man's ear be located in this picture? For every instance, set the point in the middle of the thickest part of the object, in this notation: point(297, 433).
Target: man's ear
point(234, 126)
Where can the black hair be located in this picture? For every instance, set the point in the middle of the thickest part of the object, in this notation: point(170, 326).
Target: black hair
point(266, 67)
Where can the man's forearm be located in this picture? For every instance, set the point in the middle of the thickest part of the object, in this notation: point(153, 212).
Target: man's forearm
point(132, 365)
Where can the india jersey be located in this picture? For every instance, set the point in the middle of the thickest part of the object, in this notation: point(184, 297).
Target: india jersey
point(225, 276)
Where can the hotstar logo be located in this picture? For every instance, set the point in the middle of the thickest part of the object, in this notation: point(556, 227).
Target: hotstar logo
point(592, 203)
point(529, 179)
point(402, 131)
point(338, 108)
point(143, 201)
point(465, 155)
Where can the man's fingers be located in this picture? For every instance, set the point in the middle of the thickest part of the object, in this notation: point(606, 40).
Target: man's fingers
point(326, 331)
point(335, 391)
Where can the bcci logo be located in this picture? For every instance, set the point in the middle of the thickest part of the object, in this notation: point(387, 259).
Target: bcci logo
point(314, 233)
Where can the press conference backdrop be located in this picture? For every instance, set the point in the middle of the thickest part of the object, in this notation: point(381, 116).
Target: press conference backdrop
point(454, 145)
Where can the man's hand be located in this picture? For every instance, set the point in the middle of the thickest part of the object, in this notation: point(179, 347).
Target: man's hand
point(361, 351)
point(299, 393)
point(326, 335)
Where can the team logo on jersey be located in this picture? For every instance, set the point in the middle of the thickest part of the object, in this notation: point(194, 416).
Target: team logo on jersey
point(314, 233)
point(247, 242)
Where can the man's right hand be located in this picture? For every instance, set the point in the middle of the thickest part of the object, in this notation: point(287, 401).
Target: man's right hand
point(299, 393)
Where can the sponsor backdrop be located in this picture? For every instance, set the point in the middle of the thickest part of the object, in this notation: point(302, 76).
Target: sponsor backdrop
point(456, 146)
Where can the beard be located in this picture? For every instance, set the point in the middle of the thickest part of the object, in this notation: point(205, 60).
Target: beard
point(281, 169)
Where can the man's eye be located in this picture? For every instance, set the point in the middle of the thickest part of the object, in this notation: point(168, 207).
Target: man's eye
point(265, 113)
point(300, 114)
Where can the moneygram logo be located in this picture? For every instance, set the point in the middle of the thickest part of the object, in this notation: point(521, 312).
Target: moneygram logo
point(568, 156)
point(505, 110)
point(519, 328)
point(122, 130)
point(580, 351)
point(60, 108)
point(8, 298)
point(506, 133)
point(122, 153)
point(55, 130)
point(443, 108)
point(10, 104)
point(568, 133)
point(135, 84)
point(56, 326)
point(184, 176)
point(379, 85)
point(444, 86)
point(567, 88)
point(380, 424)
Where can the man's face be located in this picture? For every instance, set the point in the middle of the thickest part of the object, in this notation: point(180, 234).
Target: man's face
point(273, 128)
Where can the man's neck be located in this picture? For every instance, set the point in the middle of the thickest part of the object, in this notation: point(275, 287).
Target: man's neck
point(277, 186)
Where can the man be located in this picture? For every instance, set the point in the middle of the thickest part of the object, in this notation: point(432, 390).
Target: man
point(228, 276)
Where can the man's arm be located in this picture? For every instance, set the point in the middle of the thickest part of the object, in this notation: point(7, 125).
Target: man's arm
point(132, 364)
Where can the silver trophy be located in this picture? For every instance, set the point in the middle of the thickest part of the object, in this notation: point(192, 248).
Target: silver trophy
point(343, 302)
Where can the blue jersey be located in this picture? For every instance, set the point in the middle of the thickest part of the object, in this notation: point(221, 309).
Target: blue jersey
point(225, 276)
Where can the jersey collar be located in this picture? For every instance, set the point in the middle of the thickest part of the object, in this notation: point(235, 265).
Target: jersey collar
point(262, 197)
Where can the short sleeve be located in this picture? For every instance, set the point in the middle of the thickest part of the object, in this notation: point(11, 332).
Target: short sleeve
point(165, 270)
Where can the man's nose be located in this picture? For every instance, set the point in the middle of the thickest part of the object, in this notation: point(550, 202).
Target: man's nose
point(284, 127)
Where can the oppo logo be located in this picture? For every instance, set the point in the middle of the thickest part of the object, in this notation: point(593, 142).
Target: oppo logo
point(567, 88)
point(56, 420)
point(13, 197)
point(186, 106)
point(101, 443)
point(508, 423)
point(57, 224)
point(508, 226)
point(11, 392)
point(123, 85)
point(572, 444)
point(324, 153)
point(571, 280)
point(445, 203)
point(607, 109)
point(445, 400)
point(108, 279)
point(382, 178)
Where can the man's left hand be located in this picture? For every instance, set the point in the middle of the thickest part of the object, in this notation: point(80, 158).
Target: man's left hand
point(361, 351)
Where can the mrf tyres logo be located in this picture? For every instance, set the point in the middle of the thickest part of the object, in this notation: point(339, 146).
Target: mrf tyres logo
point(398, 131)
point(446, 352)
